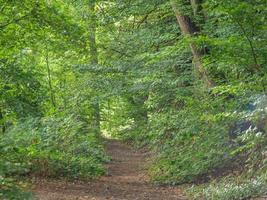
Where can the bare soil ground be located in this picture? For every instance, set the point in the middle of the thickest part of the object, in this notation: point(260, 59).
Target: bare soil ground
point(126, 180)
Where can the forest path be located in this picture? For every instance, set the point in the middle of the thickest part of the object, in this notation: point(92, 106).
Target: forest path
point(126, 180)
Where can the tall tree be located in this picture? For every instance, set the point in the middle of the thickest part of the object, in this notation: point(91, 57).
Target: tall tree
point(190, 29)
point(94, 58)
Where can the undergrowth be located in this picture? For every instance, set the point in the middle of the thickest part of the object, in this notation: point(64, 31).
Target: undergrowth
point(208, 143)
point(229, 188)
point(48, 147)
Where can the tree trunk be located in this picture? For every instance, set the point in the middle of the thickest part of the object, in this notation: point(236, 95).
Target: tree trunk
point(190, 29)
point(2, 123)
point(196, 5)
point(52, 95)
point(93, 59)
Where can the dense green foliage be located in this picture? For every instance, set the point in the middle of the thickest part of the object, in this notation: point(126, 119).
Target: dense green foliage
point(46, 117)
point(187, 79)
point(50, 147)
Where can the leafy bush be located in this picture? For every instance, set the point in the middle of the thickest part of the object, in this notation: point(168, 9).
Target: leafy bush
point(197, 142)
point(184, 160)
point(9, 189)
point(229, 189)
point(50, 147)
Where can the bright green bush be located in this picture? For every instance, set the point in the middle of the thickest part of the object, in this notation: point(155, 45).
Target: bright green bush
point(196, 142)
point(50, 147)
point(191, 148)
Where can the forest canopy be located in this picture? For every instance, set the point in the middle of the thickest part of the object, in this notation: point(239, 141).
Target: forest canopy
point(185, 79)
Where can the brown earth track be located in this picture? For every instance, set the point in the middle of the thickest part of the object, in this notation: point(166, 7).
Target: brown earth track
point(126, 180)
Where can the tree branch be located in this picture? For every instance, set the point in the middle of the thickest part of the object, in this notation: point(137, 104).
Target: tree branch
point(2, 26)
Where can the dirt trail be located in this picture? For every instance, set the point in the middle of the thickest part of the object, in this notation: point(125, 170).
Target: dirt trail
point(126, 180)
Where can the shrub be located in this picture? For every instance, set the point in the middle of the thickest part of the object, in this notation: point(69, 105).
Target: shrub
point(9, 189)
point(229, 189)
point(50, 147)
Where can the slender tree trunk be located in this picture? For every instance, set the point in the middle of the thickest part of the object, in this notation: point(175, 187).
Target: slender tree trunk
point(190, 29)
point(2, 123)
point(196, 5)
point(52, 95)
point(250, 42)
point(94, 58)
point(65, 92)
